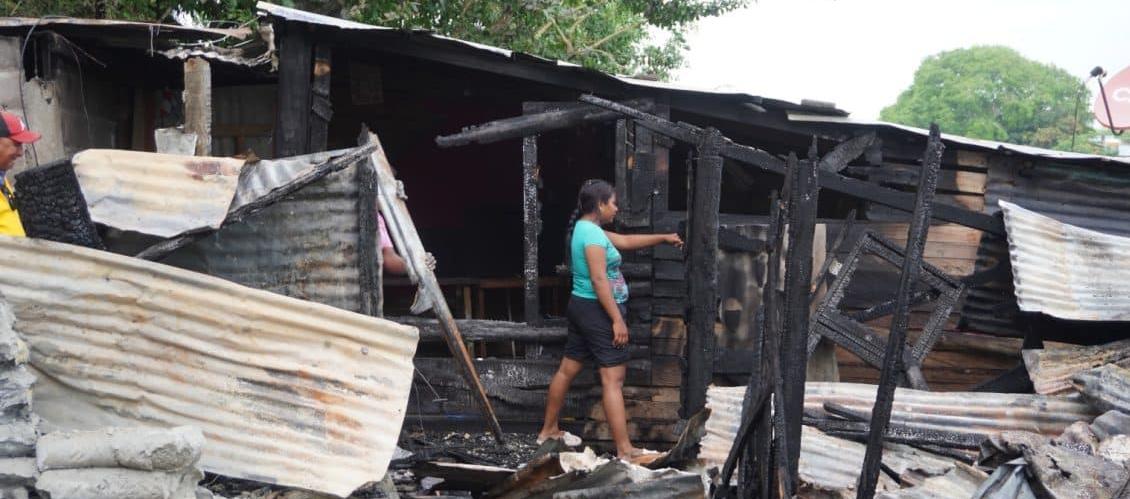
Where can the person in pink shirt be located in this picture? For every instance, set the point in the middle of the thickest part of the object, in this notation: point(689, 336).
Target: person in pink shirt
point(393, 262)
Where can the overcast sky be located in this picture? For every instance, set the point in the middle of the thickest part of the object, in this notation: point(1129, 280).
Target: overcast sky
point(860, 54)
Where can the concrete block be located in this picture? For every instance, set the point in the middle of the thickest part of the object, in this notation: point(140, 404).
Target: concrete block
point(118, 483)
point(18, 436)
point(17, 471)
point(13, 493)
point(145, 449)
point(13, 350)
point(15, 392)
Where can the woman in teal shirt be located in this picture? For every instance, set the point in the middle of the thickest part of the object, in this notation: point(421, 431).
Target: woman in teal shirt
point(596, 311)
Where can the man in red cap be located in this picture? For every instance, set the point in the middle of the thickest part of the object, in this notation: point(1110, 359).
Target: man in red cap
point(13, 135)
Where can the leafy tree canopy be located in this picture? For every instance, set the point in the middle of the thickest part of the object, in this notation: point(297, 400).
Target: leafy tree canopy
point(992, 92)
point(609, 35)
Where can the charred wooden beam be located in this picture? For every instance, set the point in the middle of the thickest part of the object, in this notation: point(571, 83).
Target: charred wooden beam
point(429, 295)
point(847, 151)
point(702, 272)
point(531, 221)
point(295, 62)
point(798, 279)
point(533, 124)
point(828, 180)
point(837, 245)
point(370, 260)
point(321, 109)
point(896, 343)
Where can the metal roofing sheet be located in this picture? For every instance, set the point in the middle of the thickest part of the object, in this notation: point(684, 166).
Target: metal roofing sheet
point(1067, 271)
point(155, 29)
point(286, 391)
point(1051, 369)
point(305, 246)
point(159, 194)
point(991, 145)
point(291, 14)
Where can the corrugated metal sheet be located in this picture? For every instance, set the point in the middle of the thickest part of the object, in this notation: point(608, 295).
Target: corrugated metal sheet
point(158, 194)
point(155, 30)
point(972, 413)
point(827, 463)
point(304, 246)
point(1051, 369)
point(1091, 197)
point(266, 175)
point(289, 14)
point(960, 483)
point(286, 391)
point(1067, 271)
point(987, 145)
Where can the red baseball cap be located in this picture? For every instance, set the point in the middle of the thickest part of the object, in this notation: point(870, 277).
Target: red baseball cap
point(14, 128)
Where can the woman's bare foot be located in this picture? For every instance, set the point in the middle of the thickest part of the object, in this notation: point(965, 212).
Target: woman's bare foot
point(637, 455)
point(569, 439)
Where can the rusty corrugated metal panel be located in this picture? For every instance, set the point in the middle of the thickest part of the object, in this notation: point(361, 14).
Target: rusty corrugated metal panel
point(1067, 271)
point(158, 194)
point(1051, 369)
point(1085, 196)
point(972, 413)
point(305, 246)
point(286, 391)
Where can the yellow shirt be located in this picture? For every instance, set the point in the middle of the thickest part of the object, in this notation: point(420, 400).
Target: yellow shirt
point(9, 219)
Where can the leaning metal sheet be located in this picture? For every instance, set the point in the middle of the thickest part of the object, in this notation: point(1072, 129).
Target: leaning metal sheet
point(286, 391)
point(1067, 271)
point(158, 194)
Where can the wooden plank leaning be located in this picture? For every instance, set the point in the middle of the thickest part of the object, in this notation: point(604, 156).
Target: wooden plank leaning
point(390, 202)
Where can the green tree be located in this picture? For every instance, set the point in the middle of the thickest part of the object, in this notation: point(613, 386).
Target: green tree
point(609, 35)
point(992, 92)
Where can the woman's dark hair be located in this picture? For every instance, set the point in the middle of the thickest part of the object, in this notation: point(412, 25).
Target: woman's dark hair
point(593, 192)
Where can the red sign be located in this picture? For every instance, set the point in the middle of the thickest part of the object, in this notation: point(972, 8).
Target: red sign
point(1118, 98)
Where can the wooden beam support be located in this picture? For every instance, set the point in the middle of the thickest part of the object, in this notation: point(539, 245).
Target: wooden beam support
point(702, 272)
point(531, 220)
point(295, 60)
point(798, 279)
point(534, 122)
point(321, 109)
point(198, 103)
point(370, 260)
point(828, 180)
point(429, 295)
point(896, 342)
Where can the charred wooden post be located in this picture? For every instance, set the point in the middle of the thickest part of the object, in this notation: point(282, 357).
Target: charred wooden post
point(536, 120)
point(753, 443)
point(321, 109)
point(904, 201)
point(198, 103)
point(370, 260)
point(896, 343)
point(429, 296)
point(702, 272)
point(292, 118)
point(531, 220)
point(798, 279)
point(620, 172)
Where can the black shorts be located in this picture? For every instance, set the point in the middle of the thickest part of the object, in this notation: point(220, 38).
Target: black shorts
point(590, 333)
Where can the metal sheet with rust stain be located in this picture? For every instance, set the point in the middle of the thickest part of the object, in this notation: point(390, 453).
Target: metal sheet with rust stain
point(158, 194)
point(1067, 271)
point(286, 391)
point(1051, 369)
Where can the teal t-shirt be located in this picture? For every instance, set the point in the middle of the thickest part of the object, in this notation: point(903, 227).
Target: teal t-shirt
point(586, 233)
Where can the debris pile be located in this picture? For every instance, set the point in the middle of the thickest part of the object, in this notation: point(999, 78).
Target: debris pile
point(18, 424)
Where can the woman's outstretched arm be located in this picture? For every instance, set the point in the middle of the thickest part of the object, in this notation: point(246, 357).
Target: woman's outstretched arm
point(628, 242)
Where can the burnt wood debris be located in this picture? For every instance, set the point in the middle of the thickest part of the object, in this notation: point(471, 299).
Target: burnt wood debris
point(795, 312)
